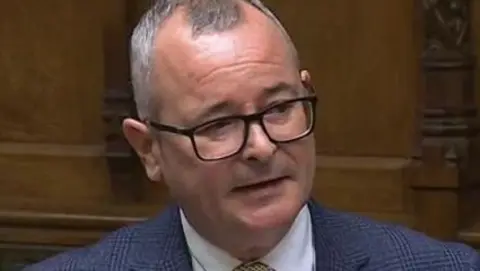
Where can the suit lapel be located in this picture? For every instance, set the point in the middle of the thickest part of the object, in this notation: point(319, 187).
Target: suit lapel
point(334, 252)
point(161, 246)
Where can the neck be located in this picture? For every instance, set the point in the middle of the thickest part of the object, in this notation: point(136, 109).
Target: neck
point(251, 246)
point(243, 244)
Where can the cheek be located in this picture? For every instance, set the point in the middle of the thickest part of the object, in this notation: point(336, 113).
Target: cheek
point(304, 157)
point(178, 166)
point(188, 176)
point(311, 158)
point(311, 152)
point(204, 186)
point(217, 177)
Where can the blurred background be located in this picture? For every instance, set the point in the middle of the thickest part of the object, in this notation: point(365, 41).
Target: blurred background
point(397, 127)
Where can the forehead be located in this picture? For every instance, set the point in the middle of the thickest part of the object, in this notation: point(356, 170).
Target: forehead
point(252, 56)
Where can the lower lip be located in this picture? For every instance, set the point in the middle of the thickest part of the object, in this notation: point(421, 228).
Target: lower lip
point(261, 186)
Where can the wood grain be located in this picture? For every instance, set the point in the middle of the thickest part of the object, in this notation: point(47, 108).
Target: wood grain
point(51, 72)
point(365, 72)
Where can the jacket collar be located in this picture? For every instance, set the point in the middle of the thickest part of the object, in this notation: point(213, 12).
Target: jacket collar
point(335, 249)
point(160, 243)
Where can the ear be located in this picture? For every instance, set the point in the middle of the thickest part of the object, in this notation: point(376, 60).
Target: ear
point(307, 81)
point(139, 137)
point(305, 76)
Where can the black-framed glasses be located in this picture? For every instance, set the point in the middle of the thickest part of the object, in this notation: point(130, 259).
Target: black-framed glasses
point(220, 138)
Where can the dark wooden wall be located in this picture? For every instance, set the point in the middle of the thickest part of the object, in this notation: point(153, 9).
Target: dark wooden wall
point(397, 134)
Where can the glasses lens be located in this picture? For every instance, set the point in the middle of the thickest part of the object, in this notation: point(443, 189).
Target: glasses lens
point(219, 138)
point(289, 121)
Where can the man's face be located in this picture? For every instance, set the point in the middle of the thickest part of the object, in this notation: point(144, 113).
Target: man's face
point(236, 72)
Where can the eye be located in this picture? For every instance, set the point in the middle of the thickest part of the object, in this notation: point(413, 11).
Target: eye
point(281, 108)
point(216, 128)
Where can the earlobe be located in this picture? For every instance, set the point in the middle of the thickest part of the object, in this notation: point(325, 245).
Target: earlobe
point(138, 136)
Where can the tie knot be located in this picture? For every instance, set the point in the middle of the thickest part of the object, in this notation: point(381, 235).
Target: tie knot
point(253, 266)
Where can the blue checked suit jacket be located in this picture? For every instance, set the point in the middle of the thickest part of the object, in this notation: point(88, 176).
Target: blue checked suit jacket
point(342, 242)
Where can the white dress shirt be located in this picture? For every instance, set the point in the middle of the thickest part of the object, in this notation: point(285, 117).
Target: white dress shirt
point(294, 252)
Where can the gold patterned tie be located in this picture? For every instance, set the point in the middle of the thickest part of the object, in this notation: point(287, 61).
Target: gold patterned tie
point(253, 266)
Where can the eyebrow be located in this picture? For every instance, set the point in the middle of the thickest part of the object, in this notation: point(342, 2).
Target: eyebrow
point(224, 106)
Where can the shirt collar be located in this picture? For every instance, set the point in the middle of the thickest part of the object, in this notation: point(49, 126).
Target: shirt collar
point(294, 252)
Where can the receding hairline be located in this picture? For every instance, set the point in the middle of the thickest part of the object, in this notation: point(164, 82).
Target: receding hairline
point(181, 13)
point(204, 16)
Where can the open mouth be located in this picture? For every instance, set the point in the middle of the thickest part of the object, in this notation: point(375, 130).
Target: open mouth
point(261, 185)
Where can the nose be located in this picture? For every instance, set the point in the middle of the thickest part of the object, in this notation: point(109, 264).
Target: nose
point(258, 146)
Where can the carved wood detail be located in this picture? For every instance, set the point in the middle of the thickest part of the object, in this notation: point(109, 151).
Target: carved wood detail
point(450, 128)
point(447, 27)
point(450, 110)
point(450, 113)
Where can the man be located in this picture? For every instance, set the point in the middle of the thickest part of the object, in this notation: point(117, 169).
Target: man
point(226, 121)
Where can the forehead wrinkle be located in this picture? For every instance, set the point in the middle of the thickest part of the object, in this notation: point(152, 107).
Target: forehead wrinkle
point(213, 73)
point(224, 53)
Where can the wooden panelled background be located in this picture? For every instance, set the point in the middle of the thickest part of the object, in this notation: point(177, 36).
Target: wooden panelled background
point(397, 134)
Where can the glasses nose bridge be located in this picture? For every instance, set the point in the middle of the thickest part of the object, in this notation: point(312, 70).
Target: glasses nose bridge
point(252, 119)
point(255, 117)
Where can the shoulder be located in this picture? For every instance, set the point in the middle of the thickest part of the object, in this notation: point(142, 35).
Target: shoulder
point(99, 256)
point(388, 245)
point(114, 250)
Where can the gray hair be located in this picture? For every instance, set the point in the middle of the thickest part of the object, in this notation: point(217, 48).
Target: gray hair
point(204, 16)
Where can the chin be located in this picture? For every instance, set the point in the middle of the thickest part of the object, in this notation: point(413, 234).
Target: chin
point(276, 214)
